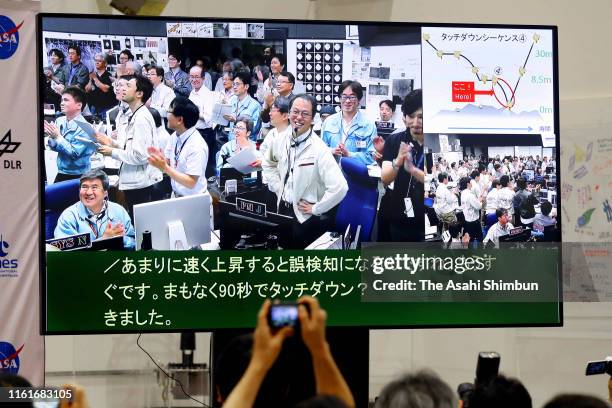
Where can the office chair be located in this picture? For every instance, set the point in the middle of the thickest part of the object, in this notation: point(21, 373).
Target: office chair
point(58, 197)
point(360, 203)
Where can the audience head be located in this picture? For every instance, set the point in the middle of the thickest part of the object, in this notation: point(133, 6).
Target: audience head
point(285, 83)
point(74, 53)
point(412, 108)
point(195, 77)
point(326, 111)
point(57, 56)
point(73, 101)
point(277, 64)
point(174, 60)
point(504, 180)
point(464, 182)
point(474, 174)
point(243, 126)
point(502, 216)
point(301, 112)
point(546, 208)
point(423, 389)
point(100, 61)
point(350, 93)
point(132, 68)
point(242, 80)
point(137, 89)
point(156, 117)
point(443, 177)
point(15, 381)
point(279, 112)
point(93, 187)
point(156, 75)
point(495, 184)
point(386, 109)
point(576, 401)
point(521, 183)
point(125, 56)
point(183, 114)
point(501, 392)
point(228, 80)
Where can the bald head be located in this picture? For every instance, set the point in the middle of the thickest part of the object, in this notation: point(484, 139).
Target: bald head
point(195, 77)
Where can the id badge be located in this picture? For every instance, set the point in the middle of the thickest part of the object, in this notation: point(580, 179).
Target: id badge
point(408, 209)
point(361, 144)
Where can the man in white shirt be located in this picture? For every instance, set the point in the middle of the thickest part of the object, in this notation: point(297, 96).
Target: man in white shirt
point(162, 93)
point(505, 196)
point(304, 175)
point(446, 202)
point(136, 176)
point(205, 100)
point(471, 206)
point(186, 154)
point(500, 228)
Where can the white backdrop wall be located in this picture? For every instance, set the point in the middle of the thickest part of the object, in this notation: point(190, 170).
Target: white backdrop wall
point(548, 360)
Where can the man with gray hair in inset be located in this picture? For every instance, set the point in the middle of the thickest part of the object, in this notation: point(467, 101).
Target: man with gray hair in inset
point(423, 389)
point(101, 96)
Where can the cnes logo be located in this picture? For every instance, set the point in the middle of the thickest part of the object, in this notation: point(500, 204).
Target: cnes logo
point(6, 263)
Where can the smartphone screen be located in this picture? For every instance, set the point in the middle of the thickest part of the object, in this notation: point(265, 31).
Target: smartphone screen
point(283, 315)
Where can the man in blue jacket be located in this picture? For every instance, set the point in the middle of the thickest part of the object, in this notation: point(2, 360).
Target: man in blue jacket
point(349, 133)
point(94, 214)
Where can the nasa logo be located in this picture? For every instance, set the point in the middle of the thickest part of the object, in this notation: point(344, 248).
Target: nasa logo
point(9, 358)
point(9, 37)
point(6, 265)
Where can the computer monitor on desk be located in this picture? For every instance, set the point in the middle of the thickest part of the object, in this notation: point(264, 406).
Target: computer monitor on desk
point(175, 223)
point(252, 214)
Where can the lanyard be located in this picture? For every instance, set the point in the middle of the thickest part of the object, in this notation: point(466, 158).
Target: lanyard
point(177, 153)
point(345, 135)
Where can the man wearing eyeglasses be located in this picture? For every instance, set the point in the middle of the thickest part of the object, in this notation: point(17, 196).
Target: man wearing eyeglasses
point(94, 214)
point(243, 105)
point(284, 86)
point(205, 100)
point(176, 78)
point(304, 175)
point(349, 133)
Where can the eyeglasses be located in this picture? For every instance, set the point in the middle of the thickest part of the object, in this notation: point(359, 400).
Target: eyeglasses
point(241, 128)
point(303, 114)
point(195, 77)
point(237, 84)
point(172, 59)
point(94, 188)
point(348, 98)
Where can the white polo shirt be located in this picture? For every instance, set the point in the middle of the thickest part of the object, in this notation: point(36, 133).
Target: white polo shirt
point(161, 98)
point(445, 200)
point(188, 154)
point(205, 100)
point(470, 205)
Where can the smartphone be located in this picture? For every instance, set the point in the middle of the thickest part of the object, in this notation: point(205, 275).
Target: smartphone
point(599, 367)
point(282, 315)
point(487, 367)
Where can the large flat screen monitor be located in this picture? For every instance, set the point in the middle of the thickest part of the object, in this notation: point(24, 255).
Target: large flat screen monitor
point(475, 105)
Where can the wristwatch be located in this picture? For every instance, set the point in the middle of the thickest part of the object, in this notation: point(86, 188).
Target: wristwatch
point(396, 167)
